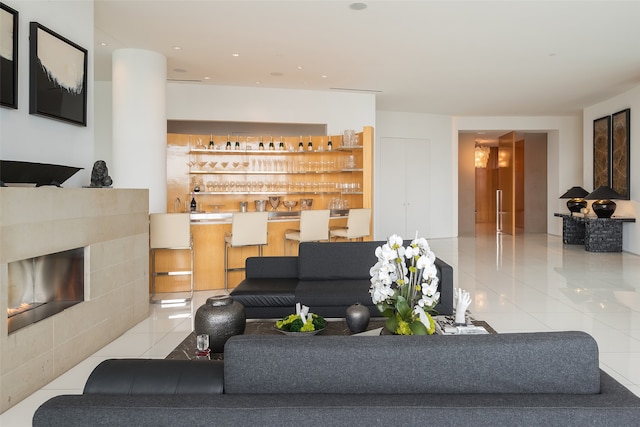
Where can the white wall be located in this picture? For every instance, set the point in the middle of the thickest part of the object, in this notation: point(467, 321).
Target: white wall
point(629, 99)
point(38, 139)
point(339, 110)
point(103, 129)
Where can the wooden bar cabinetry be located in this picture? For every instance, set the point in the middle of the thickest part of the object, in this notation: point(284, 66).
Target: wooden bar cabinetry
point(221, 172)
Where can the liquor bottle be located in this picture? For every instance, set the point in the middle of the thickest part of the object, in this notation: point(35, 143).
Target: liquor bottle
point(193, 203)
point(310, 144)
point(271, 146)
point(237, 146)
point(300, 144)
point(211, 144)
point(329, 145)
point(228, 146)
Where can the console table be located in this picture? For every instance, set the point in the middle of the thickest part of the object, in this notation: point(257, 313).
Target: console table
point(596, 234)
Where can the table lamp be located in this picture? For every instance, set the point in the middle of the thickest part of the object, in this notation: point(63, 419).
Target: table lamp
point(576, 199)
point(603, 206)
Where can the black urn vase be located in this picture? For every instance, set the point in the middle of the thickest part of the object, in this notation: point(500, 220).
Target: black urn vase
point(603, 208)
point(357, 318)
point(220, 317)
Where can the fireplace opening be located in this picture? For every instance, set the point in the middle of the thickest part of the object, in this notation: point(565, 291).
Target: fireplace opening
point(43, 286)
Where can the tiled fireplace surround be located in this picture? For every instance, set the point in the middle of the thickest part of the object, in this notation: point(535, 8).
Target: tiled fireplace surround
point(113, 224)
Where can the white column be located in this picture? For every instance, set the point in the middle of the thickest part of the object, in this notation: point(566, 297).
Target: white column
point(140, 124)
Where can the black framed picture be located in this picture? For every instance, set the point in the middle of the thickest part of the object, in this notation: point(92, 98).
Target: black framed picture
point(57, 76)
point(8, 56)
point(601, 151)
point(620, 146)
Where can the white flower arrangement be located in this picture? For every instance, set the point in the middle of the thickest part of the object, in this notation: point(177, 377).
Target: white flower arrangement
point(404, 285)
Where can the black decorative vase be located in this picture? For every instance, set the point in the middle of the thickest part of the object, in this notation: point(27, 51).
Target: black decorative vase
point(603, 208)
point(220, 317)
point(357, 318)
point(576, 205)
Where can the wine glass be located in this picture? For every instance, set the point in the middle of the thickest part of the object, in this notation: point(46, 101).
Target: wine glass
point(274, 201)
point(290, 204)
point(202, 345)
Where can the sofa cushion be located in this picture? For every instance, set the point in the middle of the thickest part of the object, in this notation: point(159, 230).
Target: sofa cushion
point(266, 292)
point(341, 260)
point(550, 362)
point(271, 267)
point(156, 376)
point(333, 292)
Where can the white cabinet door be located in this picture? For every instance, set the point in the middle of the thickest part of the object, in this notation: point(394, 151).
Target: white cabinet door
point(404, 183)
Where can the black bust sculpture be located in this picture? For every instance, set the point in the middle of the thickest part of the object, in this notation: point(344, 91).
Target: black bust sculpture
point(100, 175)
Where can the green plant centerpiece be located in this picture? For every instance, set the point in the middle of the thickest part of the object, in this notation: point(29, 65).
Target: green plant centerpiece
point(404, 286)
point(301, 321)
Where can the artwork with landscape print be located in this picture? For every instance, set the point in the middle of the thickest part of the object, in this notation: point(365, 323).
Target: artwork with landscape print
point(620, 144)
point(57, 75)
point(8, 57)
point(601, 150)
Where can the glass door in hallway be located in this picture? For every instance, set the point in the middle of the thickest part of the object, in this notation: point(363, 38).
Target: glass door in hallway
point(506, 189)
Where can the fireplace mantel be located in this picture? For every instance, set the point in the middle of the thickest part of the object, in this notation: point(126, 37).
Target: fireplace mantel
point(113, 226)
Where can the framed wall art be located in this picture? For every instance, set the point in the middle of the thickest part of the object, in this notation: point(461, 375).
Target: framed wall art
point(620, 146)
point(8, 57)
point(57, 76)
point(601, 151)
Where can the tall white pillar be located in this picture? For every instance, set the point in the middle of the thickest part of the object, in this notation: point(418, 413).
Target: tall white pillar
point(140, 124)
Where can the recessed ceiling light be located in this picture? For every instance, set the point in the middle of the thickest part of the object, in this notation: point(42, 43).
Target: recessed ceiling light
point(257, 82)
point(299, 67)
point(207, 78)
point(358, 6)
point(177, 48)
point(324, 76)
point(235, 55)
point(103, 44)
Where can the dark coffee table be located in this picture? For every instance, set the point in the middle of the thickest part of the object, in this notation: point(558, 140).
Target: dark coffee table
point(186, 350)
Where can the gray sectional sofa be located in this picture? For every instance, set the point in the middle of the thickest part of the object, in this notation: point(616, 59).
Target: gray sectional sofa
point(327, 277)
point(483, 380)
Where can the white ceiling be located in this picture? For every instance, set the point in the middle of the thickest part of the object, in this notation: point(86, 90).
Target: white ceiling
point(444, 57)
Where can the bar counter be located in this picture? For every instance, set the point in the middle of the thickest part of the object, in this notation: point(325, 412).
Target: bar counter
point(208, 230)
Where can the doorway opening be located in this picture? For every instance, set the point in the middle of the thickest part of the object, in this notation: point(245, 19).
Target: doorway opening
point(506, 192)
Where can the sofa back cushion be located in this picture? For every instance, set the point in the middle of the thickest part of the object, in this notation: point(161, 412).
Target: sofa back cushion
point(339, 260)
point(550, 362)
point(271, 267)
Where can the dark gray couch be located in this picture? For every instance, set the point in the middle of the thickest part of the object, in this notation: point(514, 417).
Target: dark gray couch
point(483, 380)
point(327, 277)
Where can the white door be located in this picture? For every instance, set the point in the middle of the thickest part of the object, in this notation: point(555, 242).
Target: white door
point(404, 183)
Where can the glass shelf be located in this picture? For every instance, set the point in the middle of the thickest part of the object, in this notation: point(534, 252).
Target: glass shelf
point(272, 152)
point(274, 193)
point(232, 172)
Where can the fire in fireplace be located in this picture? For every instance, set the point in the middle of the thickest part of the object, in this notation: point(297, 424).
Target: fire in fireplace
point(23, 307)
point(43, 286)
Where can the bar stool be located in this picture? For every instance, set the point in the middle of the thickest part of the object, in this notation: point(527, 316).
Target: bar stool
point(358, 225)
point(314, 227)
point(170, 231)
point(247, 229)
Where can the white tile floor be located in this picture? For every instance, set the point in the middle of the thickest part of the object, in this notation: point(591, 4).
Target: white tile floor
point(523, 283)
